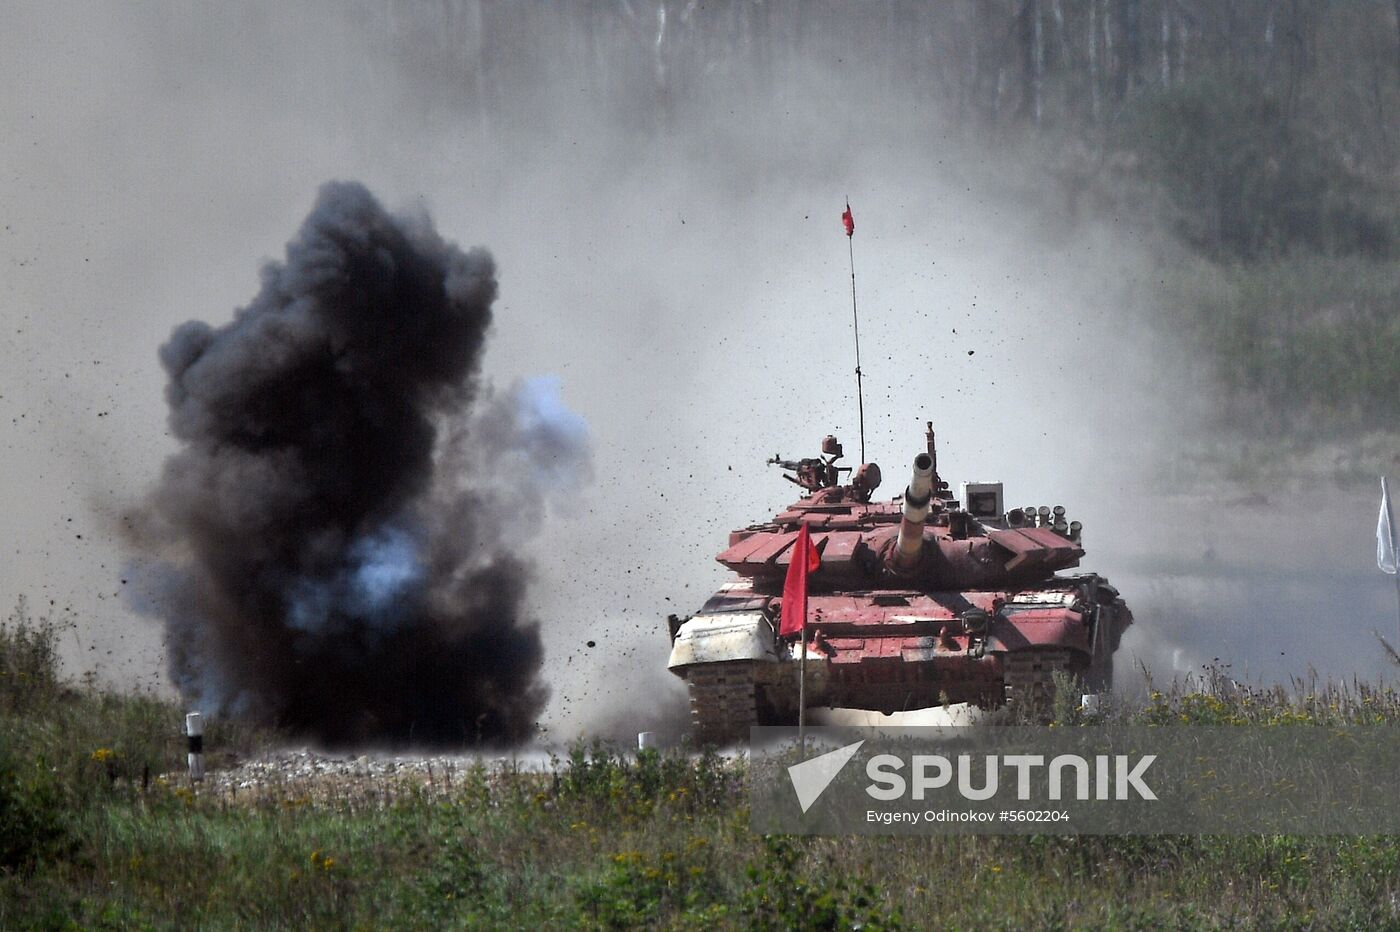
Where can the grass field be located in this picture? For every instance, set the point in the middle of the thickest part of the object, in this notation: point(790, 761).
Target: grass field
point(600, 840)
point(1304, 346)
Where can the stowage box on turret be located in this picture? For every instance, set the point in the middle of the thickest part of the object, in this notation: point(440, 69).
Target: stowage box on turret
point(923, 600)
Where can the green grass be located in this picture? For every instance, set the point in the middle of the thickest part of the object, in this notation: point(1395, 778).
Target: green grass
point(1284, 275)
point(606, 840)
point(1305, 347)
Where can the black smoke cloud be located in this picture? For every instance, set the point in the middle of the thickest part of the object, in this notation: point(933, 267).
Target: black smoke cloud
point(340, 528)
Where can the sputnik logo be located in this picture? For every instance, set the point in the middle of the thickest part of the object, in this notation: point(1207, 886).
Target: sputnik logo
point(811, 777)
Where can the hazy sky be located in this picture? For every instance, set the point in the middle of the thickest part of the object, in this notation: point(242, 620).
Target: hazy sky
point(688, 283)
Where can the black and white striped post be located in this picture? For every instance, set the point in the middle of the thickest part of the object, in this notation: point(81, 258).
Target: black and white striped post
point(194, 729)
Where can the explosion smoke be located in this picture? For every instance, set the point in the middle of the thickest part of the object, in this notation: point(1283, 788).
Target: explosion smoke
point(347, 562)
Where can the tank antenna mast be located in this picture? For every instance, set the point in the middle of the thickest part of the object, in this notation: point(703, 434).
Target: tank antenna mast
point(850, 222)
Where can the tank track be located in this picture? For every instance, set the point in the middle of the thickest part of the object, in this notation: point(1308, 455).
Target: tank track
point(1029, 678)
point(723, 701)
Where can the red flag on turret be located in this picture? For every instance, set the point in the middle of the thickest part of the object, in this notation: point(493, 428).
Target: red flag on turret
point(805, 561)
point(849, 220)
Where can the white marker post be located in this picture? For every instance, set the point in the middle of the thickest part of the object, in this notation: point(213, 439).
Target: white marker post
point(194, 728)
point(1386, 543)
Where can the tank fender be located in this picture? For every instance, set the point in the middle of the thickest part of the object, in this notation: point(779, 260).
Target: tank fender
point(1064, 629)
point(724, 637)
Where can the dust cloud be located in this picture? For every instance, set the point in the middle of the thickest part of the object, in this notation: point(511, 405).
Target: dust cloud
point(660, 185)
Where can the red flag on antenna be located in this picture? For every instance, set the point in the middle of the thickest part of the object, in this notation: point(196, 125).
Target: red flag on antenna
point(805, 560)
point(849, 220)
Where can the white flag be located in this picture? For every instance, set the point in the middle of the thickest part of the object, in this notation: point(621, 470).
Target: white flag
point(1385, 536)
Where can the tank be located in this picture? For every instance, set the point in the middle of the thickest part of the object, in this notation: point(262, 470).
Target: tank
point(928, 599)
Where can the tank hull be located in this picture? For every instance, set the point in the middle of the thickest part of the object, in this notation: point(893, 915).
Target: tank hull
point(894, 650)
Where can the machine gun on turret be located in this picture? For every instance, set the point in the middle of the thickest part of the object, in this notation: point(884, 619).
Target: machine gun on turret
point(814, 473)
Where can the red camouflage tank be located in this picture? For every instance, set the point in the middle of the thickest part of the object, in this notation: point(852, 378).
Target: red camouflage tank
point(925, 600)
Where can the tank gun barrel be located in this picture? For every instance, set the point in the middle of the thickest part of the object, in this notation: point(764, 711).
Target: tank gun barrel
point(918, 500)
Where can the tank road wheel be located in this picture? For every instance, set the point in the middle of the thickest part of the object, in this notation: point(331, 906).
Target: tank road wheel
point(1029, 676)
point(723, 701)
